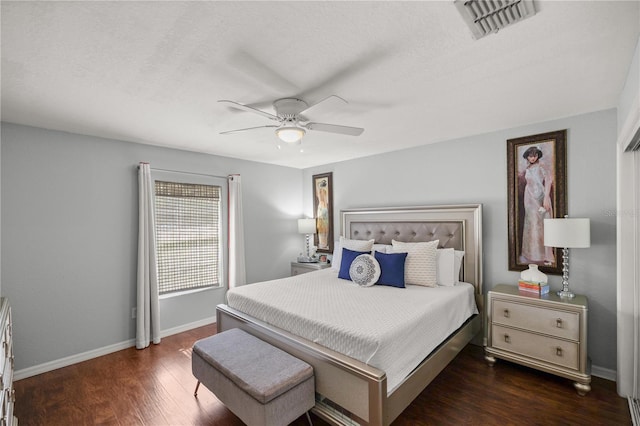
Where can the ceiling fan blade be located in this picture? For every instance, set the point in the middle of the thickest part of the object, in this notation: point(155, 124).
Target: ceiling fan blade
point(348, 71)
point(334, 128)
point(260, 72)
point(228, 132)
point(331, 101)
point(250, 109)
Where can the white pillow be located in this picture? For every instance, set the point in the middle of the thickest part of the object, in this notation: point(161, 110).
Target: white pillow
point(445, 271)
point(457, 264)
point(356, 245)
point(364, 270)
point(381, 248)
point(421, 266)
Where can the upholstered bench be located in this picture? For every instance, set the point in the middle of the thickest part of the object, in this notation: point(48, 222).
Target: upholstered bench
point(258, 382)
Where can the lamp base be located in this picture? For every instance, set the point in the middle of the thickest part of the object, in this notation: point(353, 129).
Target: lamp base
point(307, 259)
point(566, 293)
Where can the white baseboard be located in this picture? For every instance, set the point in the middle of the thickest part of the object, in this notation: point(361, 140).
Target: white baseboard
point(603, 373)
point(84, 356)
point(70, 360)
point(187, 327)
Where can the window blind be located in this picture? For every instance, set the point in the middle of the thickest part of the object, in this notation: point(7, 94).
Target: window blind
point(187, 235)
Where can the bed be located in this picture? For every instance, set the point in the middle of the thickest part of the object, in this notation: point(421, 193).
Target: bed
point(358, 382)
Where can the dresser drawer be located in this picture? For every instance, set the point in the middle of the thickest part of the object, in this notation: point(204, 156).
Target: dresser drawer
point(5, 350)
point(543, 348)
point(553, 322)
point(7, 373)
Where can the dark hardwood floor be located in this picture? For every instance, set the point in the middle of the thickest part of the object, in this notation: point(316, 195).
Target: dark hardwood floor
point(155, 387)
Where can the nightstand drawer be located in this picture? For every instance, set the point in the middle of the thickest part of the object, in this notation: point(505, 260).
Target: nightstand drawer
point(543, 348)
point(539, 319)
point(298, 268)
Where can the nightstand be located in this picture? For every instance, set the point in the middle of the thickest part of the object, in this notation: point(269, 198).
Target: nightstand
point(548, 333)
point(298, 268)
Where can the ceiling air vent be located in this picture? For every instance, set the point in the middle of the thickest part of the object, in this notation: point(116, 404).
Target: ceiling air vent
point(488, 16)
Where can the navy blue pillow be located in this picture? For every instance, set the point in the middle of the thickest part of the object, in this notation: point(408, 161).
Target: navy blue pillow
point(345, 262)
point(391, 268)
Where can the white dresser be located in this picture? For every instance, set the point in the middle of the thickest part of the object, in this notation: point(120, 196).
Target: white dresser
point(548, 333)
point(7, 398)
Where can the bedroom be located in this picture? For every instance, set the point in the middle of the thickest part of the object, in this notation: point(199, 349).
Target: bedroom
point(69, 200)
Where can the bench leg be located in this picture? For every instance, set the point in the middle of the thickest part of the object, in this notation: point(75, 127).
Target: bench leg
point(195, 392)
point(309, 418)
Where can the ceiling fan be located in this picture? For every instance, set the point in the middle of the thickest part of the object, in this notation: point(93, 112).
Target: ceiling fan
point(292, 120)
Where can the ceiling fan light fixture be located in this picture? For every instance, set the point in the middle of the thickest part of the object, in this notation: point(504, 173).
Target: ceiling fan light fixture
point(290, 134)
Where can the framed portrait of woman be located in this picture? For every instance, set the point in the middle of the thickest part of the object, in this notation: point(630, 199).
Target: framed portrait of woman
point(537, 176)
point(323, 211)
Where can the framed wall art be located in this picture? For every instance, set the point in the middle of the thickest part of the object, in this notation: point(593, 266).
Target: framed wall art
point(323, 211)
point(537, 182)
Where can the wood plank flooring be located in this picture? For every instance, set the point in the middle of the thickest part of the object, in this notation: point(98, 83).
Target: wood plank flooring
point(155, 387)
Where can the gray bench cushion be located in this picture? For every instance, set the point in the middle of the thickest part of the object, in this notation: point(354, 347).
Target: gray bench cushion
point(259, 369)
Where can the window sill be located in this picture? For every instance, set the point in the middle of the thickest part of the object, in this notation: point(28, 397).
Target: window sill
point(186, 292)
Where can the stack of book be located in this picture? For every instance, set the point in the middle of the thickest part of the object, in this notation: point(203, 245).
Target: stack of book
point(533, 288)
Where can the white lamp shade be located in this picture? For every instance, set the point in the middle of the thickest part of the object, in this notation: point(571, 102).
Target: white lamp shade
point(307, 226)
point(567, 232)
point(290, 134)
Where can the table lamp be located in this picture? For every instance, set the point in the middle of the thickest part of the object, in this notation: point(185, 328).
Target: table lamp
point(308, 227)
point(567, 233)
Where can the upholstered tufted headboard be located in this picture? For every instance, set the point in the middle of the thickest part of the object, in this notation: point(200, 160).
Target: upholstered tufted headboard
point(455, 226)
point(449, 234)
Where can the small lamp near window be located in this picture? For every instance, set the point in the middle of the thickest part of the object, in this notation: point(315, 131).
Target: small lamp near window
point(308, 227)
point(567, 233)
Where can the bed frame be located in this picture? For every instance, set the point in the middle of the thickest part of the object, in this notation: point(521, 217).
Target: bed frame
point(349, 391)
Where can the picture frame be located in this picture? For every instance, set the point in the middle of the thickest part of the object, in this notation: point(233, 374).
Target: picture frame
point(323, 211)
point(536, 190)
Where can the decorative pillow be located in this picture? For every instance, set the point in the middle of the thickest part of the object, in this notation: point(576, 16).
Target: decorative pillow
point(391, 268)
point(457, 264)
point(445, 271)
point(337, 254)
point(421, 265)
point(357, 245)
point(348, 257)
point(364, 270)
point(381, 248)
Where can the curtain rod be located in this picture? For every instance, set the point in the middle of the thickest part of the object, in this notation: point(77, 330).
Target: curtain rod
point(187, 173)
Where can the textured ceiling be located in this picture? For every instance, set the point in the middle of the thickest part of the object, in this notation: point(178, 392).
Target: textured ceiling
point(152, 72)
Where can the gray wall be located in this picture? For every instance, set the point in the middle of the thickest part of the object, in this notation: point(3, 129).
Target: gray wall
point(69, 223)
point(473, 170)
point(69, 237)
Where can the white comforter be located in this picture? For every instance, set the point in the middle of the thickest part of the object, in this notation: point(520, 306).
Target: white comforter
point(392, 329)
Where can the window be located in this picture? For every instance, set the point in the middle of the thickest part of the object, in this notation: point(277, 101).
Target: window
point(188, 236)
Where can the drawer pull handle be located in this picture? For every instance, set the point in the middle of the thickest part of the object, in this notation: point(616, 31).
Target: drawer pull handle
point(506, 313)
point(559, 351)
point(559, 323)
point(507, 339)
